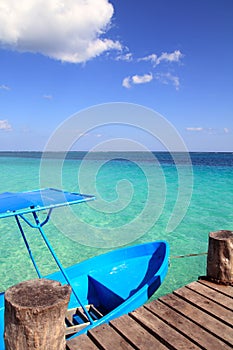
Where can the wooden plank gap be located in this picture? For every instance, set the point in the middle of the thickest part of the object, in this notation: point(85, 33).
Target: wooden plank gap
point(225, 290)
point(211, 294)
point(198, 316)
point(163, 332)
point(206, 305)
point(135, 334)
point(186, 326)
point(151, 331)
point(106, 338)
point(81, 342)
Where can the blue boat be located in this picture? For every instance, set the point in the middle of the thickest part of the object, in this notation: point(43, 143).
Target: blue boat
point(103, 287)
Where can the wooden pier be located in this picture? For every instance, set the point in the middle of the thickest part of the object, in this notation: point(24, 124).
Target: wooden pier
point(197, 316)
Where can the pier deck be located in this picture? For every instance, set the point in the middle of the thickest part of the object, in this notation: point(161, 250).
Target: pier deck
point(197, 316)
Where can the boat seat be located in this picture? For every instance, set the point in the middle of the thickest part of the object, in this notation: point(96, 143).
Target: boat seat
point(132, 274)
point(105, 295)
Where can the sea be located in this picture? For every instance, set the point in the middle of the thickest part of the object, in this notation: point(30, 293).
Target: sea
point(139, 197)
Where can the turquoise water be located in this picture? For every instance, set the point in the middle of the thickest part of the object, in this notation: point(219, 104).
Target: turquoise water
point(135, 199)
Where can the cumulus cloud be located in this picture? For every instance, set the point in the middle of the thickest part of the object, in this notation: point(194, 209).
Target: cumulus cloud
point(166, 78)
point(165, 56)
point(137, 79)
point(66, 30)
point(5, 125)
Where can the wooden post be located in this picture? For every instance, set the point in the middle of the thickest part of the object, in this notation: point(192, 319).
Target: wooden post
point(35, 315)
point(220, 257)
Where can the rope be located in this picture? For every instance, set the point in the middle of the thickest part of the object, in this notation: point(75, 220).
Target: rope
point(187, 255)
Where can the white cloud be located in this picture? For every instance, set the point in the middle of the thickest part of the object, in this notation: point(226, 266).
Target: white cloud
point(155, 60)
point(170, 57)
point(4, 87)
point(48, 97)
point(166, 78)
point(5, 125)
point(128, 57)
point(151, 58)
point(226, 130)
point(141, 79)
point(137, 79)
point(199, 128)
point(66, 30)
point(126, 82)
point(209, 130)
point(165, 56)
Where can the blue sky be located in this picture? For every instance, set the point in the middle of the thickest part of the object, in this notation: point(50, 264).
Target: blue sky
point(59, 57)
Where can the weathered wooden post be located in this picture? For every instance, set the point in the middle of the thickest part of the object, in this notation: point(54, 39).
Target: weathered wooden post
point(220, 257)
point(35, 314)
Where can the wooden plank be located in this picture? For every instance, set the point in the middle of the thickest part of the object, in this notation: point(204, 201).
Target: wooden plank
point(80, 342)
point(107, 338)
point(199, 315)
point(69, 321)
point(185, 326)
point(216, 327)
point(74, 329)
point(95, 312)
point(214, 295)
point(166, 334)
point(226, 290)
point(206, 305)
point(135, 334)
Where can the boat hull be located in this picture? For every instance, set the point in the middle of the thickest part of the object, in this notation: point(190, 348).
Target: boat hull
point(116, 282)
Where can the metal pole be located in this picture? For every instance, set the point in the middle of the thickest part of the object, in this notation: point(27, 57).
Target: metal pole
point(27, 246)
point(60, 265)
